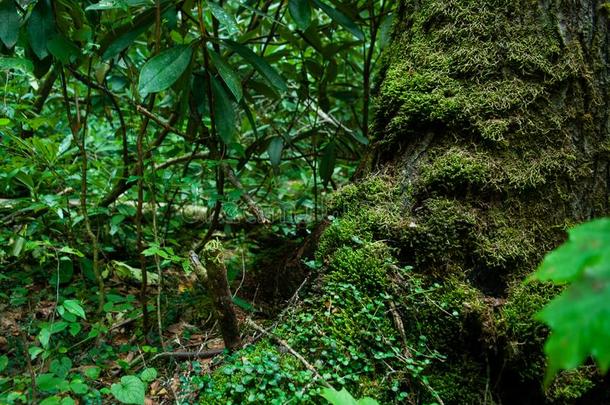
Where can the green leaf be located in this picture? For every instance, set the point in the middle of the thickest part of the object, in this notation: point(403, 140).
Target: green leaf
point(47, 382)
point(300, 11)
point(149, 374)
point(74, 307)
point(224, 18)
point(130, 390)
point(335, 397)
point(3, 362)
point(260, 64)
point(224, 113)
point(78, 387)
point(327, 163)
point(19, 64)
point(340, 19)
point(63, 49)
point(579, 319)
point(243, 304)
point(161, 71)
point(276, 145)
point(71, 251)
point(41, 28)
point(586, 248)
point(53, 400)
point(228, 75)
point(93, 372)
point(61, 367)
point(123, 41)
point(9, 23)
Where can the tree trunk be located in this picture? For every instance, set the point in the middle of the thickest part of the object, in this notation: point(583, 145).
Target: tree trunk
point(213, 273)
point(492, 117)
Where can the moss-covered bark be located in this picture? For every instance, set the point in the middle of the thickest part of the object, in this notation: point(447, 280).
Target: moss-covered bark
point(492, 137)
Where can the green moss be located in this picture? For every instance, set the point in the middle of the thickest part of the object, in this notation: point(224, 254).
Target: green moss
point(571, 385)
point(439, 234)
point(524, 335)
point(457, 168)
point(457, 75)
point(364, 266)
point(463, 381)
point(368, 192)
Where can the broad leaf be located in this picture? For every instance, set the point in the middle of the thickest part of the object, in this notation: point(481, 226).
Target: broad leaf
point(260, 64)
point(131, 390)
point(225, 19)
point(9, 23)
point(587, 247)
point(580, 325)
point(74, 307)
point(161, 71)
point(228, 75)
point(340, 19)
point(335, 397)
point(149, 374)
point(300, 11)
point(41, 28)
point(224, 113)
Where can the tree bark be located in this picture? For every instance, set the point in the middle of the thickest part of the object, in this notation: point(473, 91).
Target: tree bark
point(493, 120)
point(213, 273)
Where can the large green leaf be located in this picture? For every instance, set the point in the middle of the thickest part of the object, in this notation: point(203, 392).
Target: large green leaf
point(228, 74)
point(300, 10)
point(224, 113)
point(41, 28)
point(130, 390)
point(9, 23)
point(580, 325)
point(340, 19)
point(588, 247)
point(260, 64)
point(226, 19)
point(122, 41)
point(161, 71)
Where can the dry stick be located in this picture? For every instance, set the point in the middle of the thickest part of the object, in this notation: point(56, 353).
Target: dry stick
point(302, 359)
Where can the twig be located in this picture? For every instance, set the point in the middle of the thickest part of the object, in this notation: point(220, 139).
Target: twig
point(302, 359)
point(252, 206)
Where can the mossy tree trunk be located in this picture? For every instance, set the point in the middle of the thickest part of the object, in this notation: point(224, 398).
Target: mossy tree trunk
point(493, 119)
point(495, 113)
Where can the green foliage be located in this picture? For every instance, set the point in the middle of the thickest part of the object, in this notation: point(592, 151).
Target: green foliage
point(578, 317)
point(343, 397)
point(130, 390)
point(162, 70)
